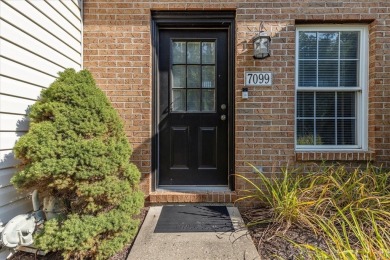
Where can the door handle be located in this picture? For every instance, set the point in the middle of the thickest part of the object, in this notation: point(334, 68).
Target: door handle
point(223, 117)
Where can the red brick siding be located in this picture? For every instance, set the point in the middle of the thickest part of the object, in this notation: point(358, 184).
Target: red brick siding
point(117, 50)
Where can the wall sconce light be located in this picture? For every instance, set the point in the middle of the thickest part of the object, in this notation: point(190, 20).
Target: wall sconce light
point(261, 44)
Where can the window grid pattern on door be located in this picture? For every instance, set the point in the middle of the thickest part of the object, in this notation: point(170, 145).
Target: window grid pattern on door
point(193, 76)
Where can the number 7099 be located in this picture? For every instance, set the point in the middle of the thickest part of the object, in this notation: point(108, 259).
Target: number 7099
point(258, 78)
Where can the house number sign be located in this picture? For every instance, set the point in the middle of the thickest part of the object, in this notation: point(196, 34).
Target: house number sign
point(253, 78)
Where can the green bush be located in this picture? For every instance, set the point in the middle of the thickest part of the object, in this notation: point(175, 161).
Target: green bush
point(77, 151)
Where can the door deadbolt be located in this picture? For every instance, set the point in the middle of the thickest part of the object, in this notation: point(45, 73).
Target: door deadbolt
point(223, 106)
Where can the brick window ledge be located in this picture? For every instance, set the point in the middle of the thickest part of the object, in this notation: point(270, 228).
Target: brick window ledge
point(334, 156)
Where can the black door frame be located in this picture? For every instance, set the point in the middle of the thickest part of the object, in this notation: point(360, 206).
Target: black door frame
point(192, 19)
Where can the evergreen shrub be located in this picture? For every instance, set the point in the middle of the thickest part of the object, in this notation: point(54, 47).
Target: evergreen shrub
point(76, 150)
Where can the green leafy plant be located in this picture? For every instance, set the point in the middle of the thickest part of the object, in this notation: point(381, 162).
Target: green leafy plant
point(349, 237)
point(76, 150)
point(348, 207)
point(339, 187)
point(281, 195)
point(352, 212)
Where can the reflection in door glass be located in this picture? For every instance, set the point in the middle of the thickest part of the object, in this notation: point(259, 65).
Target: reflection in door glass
point(179, 100)
point(193, 76)
point(179, 76)
point(208, 100)
point(193, 52)
point(179, 52)
point(208, 52)
point(193, 100)
point(208, 76)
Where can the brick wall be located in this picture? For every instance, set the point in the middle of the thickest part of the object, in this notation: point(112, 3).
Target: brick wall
point(117, 50)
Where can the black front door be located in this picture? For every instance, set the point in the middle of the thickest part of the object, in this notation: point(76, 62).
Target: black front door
point(193, 112)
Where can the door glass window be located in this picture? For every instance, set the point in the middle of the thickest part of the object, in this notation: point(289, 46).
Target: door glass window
point(179, 76)
point(193, 52)
point(193, 78)
point(179, 52)
point(179, 100)
point(208, 52)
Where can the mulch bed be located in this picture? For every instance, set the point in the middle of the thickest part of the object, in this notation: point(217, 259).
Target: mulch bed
point(273, 241)
point(122, 255)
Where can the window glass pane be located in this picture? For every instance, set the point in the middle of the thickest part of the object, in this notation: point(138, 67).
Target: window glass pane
point(178, 100)
point(305, 106)
point(305, 132)
point(179, 52)
point(208, 77)
point(307, 45)
point(328, 45)
point(193, 76)
point(348, 73)
point(208, 52)
point(307, 73)
point(179, 76)
point(349, 45)
point(325, 129)
point(328, 73)
point(346, 104)
point(208, 103)
point(193, 52)
point(325, 104)
point(327, 59)
point(193, 100)
point(346, 129)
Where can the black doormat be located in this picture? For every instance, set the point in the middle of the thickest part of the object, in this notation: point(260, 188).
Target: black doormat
point(175, 219)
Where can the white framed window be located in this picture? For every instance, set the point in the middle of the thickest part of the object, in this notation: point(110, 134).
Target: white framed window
point(331, 79)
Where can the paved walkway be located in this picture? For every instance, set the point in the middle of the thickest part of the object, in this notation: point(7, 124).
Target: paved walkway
point(198, 245)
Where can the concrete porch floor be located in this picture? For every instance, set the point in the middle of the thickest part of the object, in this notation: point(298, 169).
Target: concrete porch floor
point(198, 245)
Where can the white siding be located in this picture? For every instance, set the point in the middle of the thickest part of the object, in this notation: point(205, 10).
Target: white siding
point(5, 177)
point(8, 139)
point(13, 123)
point(7, 160)
point(37, 40)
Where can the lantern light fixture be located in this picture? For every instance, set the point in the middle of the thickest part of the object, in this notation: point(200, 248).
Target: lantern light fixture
point(261, 43)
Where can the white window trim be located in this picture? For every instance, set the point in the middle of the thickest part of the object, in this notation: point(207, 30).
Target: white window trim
point(362, 93)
